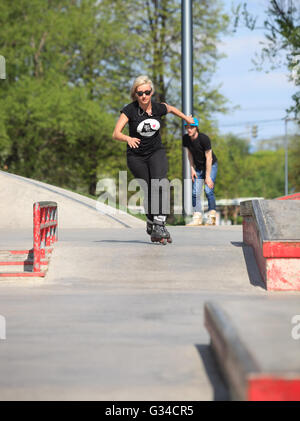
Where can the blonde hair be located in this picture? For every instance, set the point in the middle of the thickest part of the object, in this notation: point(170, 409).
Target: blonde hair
point(140, 80)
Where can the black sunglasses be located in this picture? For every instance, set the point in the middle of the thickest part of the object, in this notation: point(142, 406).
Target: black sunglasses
point(141, 93)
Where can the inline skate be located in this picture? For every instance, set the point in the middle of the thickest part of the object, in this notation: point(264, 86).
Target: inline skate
point(159, 232)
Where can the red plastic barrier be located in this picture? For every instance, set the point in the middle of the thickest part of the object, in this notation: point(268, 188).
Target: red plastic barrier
point(45, 226)
point(44, 230)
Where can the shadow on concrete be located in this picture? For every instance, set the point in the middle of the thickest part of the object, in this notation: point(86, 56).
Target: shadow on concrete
point(221, 391)
point(254, 275)
point(28, 265)
point(122, 241)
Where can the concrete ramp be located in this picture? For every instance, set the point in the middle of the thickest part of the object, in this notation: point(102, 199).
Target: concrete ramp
point(272, 228)
point(121, 318)
point(18, 194)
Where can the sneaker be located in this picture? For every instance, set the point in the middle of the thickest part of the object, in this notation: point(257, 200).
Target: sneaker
point(211, 219)
point(196, 221)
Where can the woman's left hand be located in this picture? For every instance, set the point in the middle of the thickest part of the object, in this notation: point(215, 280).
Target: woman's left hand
point(190, 120)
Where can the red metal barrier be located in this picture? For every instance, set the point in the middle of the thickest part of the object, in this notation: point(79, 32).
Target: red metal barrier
point(44, 230)
point(45, 226)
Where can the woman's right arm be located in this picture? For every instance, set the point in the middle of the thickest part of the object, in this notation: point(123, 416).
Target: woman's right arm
point(133, 142)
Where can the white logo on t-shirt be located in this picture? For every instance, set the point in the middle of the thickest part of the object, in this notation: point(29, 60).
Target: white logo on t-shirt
point(148, 127)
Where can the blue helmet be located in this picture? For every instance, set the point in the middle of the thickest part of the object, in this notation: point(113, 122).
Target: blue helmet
point(196, 122)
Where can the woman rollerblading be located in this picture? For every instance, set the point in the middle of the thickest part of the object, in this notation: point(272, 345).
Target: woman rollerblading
point(146, 156)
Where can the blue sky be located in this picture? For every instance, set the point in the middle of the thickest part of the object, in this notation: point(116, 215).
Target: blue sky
point(261, 96)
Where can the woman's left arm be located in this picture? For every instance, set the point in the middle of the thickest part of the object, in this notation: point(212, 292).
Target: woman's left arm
point(178, 113)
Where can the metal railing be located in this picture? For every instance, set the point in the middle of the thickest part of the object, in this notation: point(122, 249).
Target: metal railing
point(45, 228)
point(44, 231)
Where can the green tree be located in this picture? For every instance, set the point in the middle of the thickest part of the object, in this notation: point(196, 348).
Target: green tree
point(277, 143)
point(267, 176)
point(258, 174)
point(294, 163)
point(63, 59)
point(232, 153)
point(69, 69)
point(282, 27)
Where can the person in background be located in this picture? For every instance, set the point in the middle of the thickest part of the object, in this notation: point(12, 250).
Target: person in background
point(204, 168)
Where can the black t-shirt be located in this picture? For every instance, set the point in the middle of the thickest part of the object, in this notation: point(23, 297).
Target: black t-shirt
point(145, 127)
point(198, 147)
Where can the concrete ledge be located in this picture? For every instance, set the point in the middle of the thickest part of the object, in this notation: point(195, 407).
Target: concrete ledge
point(235, 361)
point(272, 228)
point(246, 378)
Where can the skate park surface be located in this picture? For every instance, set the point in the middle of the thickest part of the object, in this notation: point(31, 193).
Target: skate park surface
point(120, 318)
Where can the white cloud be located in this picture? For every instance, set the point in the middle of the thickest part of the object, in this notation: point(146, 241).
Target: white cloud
point(241, 45)
point(258, 80)
point(262, 96)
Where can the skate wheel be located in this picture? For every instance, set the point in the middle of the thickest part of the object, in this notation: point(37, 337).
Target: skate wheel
point(169, 240)
point(153, 241)
point(163, 241)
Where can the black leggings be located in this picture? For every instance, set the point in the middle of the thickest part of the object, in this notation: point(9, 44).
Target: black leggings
point(147, 168)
